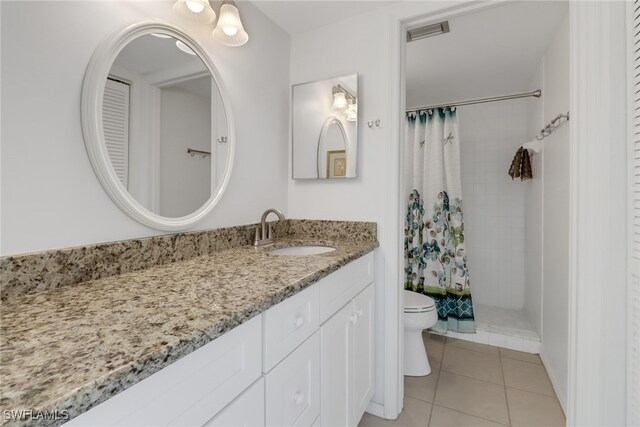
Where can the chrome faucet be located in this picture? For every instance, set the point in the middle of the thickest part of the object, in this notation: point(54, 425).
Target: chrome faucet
point(264, 234)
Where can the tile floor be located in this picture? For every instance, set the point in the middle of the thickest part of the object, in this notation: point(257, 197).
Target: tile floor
point(475, 384)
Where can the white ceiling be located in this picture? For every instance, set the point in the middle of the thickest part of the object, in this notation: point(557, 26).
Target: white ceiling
point(297, 16)
point(487, 53)
point(148, 55)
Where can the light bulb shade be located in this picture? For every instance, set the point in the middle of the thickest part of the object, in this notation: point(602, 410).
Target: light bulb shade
point(352, 112)
point(339, 101)
point(229, 30)
point(183, 47)
point(189, 8)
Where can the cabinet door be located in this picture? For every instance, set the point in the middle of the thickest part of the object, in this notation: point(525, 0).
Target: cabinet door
point(246, 411)
point(362, 389)
point(293, 387)
point(336, 368)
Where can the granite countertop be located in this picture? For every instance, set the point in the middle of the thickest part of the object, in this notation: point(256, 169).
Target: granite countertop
point(73, 347)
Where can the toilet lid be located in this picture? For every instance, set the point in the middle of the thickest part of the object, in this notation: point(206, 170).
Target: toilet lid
point(417, 303)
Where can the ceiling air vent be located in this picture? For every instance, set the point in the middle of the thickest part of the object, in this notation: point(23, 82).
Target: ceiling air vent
point(428, 31)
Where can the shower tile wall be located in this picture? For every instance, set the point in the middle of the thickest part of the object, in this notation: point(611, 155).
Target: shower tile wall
point(494, 205)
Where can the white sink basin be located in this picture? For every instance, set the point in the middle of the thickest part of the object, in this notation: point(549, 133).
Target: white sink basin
point(302, 250)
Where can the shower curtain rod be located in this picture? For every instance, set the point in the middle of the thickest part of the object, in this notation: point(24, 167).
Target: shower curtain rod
point(535, 93)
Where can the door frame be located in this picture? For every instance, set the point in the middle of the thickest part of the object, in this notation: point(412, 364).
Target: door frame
point(591, 63)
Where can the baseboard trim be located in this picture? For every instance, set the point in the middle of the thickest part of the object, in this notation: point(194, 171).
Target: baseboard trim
point(554, 382)
point(375, 409)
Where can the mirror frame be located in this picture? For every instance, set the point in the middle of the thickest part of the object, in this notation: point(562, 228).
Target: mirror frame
point(92, 130)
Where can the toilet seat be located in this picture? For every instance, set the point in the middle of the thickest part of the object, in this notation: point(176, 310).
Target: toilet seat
point(418, 303)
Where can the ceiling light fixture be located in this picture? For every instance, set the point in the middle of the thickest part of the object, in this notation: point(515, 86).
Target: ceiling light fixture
point(198, 10)
point(229, 30)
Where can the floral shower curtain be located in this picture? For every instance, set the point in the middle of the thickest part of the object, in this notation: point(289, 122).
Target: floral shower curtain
point(435, 259)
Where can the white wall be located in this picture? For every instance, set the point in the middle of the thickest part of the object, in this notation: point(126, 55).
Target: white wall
point(494, 205)
point(325, 52)
point(533, 213)
point(50, 195)
point(185, 180)
point(555, 241)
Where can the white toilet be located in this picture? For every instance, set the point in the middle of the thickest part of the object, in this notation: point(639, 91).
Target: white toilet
point(419, 314)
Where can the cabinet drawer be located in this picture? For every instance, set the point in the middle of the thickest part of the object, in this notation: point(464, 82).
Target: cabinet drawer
point(190, 391)
point(246, 411)
point(293, 387)
point(340, 287)
point(288, 324)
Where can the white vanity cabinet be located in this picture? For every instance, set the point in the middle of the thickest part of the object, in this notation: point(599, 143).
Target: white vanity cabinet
point(190, 391)
point(347, 361)
point(293, 387)
point(246, 411)
point(362, 378)
point(307, 361)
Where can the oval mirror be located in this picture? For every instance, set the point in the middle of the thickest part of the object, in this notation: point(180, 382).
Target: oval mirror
point(157, 125)
point(332, 150)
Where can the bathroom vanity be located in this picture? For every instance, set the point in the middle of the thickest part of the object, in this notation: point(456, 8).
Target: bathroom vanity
point(223, 327)
point(305, 361)
point(238, 336)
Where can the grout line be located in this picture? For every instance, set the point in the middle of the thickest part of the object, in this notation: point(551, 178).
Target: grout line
point(420, 398)
point(533, 392)
point(506, 396)
point(555, 396)
point(523, 361)
point(520, 360)
point(435, 389)
point(466, 413)
point(474, 378)
point(471, 349)
point(453, 373)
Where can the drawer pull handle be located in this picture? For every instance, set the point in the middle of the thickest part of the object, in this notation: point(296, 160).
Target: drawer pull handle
point(299, 320)
point(298, 397)
point(354, 318)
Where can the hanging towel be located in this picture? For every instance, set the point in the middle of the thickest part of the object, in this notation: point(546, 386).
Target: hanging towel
point(521, 165)
point(516, 164)
point(525, 170)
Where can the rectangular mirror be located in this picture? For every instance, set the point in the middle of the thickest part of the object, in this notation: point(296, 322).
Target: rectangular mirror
point(325, 128)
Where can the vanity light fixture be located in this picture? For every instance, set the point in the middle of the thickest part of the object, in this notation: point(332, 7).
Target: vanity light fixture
point(229, 30)
point(198, 10)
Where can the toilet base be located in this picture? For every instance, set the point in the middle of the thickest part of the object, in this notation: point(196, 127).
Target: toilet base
point(416, 363)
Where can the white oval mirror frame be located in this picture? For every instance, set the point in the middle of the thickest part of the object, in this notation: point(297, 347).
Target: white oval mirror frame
point(91, 115)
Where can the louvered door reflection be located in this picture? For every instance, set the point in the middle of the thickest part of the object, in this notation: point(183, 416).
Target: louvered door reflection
point(115, 119)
